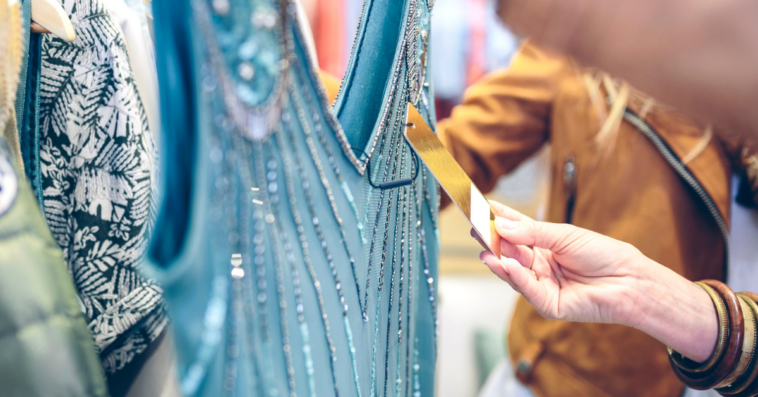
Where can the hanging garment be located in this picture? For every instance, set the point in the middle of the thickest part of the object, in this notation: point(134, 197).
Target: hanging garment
point(98, 181)
point(27, 105)
point(46, 347)
point(285, 271)
point(139, 44)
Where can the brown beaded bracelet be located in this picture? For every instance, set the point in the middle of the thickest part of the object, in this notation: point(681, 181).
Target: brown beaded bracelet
point(748, 386)
point(750, 373)
point(725, 366)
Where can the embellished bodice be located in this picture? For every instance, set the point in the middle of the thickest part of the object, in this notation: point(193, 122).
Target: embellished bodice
point(292, 272)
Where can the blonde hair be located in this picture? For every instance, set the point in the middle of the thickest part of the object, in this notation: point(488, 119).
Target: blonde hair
point(610, 108)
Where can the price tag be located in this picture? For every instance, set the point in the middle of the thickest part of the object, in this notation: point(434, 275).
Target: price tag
point(453, 179)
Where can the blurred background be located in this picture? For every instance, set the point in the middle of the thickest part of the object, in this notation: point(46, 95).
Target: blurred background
point(475, 306)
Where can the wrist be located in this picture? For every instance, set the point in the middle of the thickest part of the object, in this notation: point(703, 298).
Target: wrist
point(675, 311)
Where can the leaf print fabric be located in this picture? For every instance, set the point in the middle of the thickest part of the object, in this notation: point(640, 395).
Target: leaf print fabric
point(99, 180)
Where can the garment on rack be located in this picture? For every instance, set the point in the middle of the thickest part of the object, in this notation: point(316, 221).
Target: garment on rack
point(46, 347)
point(130, 18)
point(27, 105)
point(97, 155)
point(285, 271)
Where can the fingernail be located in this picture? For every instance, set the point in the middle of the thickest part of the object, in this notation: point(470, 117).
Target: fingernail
point(506, 224)
point(502, 264)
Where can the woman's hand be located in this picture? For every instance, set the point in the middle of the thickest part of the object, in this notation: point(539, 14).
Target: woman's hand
point(568, 273)
point(565, 272)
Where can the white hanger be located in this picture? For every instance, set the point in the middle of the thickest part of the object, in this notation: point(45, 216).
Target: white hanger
point(49, 17)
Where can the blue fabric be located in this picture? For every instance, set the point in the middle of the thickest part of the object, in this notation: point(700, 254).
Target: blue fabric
point(26, 12)
point(176, 72)
point(284, 271)
point(360, 101)
point(27, 103)
point(29, 133)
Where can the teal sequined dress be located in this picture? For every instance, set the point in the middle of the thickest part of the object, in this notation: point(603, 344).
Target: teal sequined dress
point(286, 272)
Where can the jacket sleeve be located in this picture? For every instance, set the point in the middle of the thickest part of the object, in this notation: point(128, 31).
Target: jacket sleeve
point(504, 118)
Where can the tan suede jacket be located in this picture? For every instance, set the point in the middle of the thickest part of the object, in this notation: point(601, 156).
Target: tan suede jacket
point(634, 195)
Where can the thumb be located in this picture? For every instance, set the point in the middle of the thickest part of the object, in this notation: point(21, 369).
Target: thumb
point(550, 236)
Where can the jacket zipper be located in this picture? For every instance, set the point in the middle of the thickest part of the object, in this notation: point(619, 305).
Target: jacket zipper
point(569, 185)
point(685, 174)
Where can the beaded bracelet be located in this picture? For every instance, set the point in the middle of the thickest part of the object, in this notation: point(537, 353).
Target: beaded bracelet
point(726, 364)
point(746, 385)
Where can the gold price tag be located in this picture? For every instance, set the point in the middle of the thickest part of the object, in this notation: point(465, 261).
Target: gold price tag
point(453, 179)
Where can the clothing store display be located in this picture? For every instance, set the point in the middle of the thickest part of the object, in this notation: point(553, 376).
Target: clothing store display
point(641, 187)
point(284, 271)
point(46, 347)
point(290, 245)
point(96, 160)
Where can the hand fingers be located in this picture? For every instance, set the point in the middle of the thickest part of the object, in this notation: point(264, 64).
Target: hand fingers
point(476, 237)
point(493, 263)
point(523, 280)
point(551, 236)
point(522, 254)
point(504, 211)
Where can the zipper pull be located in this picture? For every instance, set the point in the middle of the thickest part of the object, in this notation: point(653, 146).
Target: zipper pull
point(569, 174)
